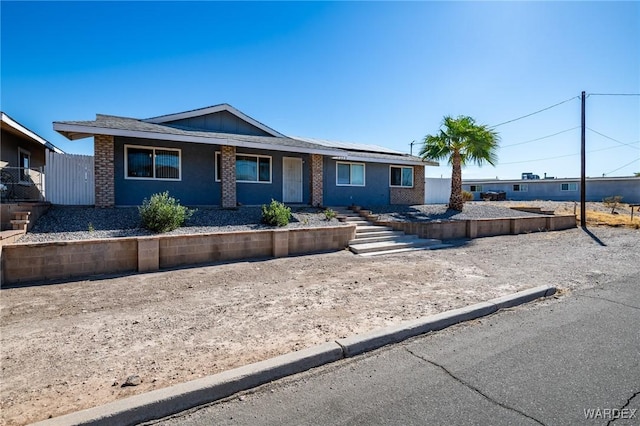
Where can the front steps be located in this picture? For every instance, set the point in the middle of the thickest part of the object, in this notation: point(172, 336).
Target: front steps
point(20, 221)
point(373, 239)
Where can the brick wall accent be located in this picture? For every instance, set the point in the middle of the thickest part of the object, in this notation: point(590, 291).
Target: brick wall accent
point(228, 162)
point(316, 179)
point(103, 148)
point(413, 195)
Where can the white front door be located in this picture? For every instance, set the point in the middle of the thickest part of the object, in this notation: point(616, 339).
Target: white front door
point(291, 180)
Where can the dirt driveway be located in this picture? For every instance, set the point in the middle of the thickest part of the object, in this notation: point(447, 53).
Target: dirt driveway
point(71, 346)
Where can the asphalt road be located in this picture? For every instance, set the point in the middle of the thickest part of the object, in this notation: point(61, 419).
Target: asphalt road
point(552, 362)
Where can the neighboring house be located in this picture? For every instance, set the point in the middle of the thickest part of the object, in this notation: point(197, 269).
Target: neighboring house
point(220, 156)
point(597, 188)
point(22, 159)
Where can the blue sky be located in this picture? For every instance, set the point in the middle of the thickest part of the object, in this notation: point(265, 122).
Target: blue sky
point(381, 73)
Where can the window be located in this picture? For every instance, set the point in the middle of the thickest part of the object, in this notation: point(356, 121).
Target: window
point(24, 162)
point(402, 176)
point(249, 168)
point(475, 188)
point(520, 187)
point(349, 174)
point(569, 187)
point(152, 163)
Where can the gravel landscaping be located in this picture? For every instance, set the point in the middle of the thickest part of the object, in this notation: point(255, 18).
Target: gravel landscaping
point(82, 223)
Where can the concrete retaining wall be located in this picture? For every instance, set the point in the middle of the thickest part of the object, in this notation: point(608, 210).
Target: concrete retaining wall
point(28, 262)
point(483, 227)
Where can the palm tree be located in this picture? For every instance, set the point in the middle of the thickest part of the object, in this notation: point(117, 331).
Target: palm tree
point(461, 141)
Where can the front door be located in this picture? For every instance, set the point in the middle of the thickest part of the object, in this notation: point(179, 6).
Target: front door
point(291, 180)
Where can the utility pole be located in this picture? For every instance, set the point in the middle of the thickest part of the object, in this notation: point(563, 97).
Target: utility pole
point(411, 145)
point(583, 179)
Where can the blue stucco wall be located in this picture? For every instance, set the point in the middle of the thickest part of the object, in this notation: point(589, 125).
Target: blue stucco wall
point(375, 192)
point(550, 189)
point(198, 185)
point(262, 193)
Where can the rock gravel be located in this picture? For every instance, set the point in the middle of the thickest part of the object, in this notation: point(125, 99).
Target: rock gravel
point(82, 223)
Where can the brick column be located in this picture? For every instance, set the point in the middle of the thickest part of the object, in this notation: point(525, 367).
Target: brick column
point(103, 148)
point(228, 162)
point(316, 179)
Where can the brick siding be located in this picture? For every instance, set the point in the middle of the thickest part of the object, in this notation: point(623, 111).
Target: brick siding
point(103, 170)
point(413, 195)
point(316, 179)
point(228, 162)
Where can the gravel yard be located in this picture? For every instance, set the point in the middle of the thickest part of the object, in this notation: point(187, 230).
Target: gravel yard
point(79, 223)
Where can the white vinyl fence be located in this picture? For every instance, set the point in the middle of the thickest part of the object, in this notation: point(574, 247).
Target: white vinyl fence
point(69, 179)
point(437, 190)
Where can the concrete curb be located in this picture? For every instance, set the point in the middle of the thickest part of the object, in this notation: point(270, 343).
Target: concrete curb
point(167, 401)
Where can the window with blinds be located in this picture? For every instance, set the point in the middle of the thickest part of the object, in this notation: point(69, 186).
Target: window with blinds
point(152, 163)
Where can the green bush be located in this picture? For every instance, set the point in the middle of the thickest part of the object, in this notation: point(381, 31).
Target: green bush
point(162, 213)
point(329, 214)
point(276, 214)
point(467, 196)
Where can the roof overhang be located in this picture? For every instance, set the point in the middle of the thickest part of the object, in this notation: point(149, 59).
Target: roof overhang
point(18, 129)
point(77, 131)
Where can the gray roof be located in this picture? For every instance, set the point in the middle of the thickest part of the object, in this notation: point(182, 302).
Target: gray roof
point(124, 126)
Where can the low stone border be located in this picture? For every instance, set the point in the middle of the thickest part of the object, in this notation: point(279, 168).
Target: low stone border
point(477, 228)
point(174, 399)
point(29, 262)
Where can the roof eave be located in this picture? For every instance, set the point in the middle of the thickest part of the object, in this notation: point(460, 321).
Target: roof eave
point(78, 131)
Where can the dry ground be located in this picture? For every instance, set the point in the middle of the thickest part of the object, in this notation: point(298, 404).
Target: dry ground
point(70, 346)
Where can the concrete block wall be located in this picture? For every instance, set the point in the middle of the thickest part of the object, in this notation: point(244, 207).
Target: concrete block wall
point(29, 262)
point(25, 262)
point(483, 227)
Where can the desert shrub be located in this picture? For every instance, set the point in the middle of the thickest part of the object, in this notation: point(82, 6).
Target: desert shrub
point(467, 196)
point(276, 214)
point(612, 202)
point(163, 213)
point(329, 214)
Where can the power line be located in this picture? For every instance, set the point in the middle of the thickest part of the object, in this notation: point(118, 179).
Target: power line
point(540, 138)
point(535, 112)
point(559, 156)
point(622, 167)
point(613, 94)
point(612, 139)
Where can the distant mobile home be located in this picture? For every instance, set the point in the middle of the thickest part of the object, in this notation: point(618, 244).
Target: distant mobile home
point(558, 189)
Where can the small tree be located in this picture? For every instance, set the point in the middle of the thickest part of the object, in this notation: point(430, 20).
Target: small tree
point(162, 213)
point(612, 202)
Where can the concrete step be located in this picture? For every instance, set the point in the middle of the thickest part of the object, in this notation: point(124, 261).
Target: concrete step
point(392, 245)
point(379, 234)
point(372, 228)
point(19, 224)
point(351, 218)
point(356, 221)
point(376, 239)
point(402, 250)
